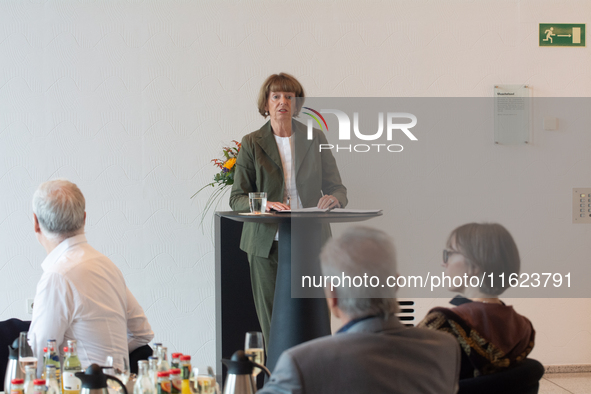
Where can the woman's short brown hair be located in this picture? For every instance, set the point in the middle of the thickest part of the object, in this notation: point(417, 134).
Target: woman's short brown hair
point(489, 248)
point(281, 82)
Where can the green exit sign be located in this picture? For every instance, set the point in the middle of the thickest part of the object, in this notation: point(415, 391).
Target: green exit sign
point(562, 34)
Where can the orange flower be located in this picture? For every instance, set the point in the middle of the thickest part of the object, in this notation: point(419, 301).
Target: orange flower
point(230, 163)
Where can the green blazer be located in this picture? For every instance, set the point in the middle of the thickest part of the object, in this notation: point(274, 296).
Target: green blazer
point(258, 168)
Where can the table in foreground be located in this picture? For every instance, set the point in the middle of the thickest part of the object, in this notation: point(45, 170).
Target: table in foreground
point(295, 320)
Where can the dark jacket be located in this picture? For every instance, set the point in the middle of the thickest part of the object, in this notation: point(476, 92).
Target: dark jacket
point(373, 356)
point(259, 169)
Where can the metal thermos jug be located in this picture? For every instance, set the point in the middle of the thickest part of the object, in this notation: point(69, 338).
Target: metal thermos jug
point(94, 381)
point(13, 370)
point(239, 379)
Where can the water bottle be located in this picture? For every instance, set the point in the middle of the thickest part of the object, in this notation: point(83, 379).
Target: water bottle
point(53, 386)
point(144, 383)
point(30, 377)
point(162, 359)
point(153, 369)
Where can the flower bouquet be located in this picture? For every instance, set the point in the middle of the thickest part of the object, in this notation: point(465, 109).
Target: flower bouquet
point(223, 179)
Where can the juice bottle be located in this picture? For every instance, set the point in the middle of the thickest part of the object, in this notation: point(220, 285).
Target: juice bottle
point(17, 386)
point(52, 358)
point(163, 382)
point(71, 384)
point(44, 360)
point(39, 385)
point(175, 381)
point(185, 374)
point(175, 362)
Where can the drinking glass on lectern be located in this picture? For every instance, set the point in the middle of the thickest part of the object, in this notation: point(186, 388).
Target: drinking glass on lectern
point(258, 202)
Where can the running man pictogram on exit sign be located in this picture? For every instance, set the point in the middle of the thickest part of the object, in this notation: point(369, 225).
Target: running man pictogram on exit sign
point(562, 34)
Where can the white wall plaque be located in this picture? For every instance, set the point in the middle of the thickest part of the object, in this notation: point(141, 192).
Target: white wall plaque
point(512, 114)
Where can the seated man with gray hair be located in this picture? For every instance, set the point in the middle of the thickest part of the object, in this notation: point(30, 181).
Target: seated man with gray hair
point(372, 352)
point(81, 295)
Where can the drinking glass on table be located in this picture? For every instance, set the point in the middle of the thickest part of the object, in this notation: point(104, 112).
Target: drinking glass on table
point(258, 202)
point(25, 353)
point(120, 370)
point(255, 349)
point(203, 382)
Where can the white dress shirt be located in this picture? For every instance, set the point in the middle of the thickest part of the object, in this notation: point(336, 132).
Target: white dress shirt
point(82, 295)
point(290, 191)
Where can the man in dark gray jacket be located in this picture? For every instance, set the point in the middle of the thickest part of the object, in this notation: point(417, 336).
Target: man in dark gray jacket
point(372, 352)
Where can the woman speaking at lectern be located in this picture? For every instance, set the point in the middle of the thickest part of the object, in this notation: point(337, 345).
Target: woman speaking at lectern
point(280, 160)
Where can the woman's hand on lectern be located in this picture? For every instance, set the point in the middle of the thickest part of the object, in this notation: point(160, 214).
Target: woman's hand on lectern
point(328, 202)
point(276, 206)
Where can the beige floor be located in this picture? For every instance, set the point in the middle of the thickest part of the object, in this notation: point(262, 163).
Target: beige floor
point(564, 383)
point(559, 383)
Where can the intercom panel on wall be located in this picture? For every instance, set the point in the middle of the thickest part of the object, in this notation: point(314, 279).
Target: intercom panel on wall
point(582, 205)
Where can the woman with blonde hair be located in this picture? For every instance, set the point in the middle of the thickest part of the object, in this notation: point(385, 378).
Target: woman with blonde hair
point(282, 161)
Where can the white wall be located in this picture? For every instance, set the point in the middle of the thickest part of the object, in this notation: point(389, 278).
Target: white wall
point(130, 100)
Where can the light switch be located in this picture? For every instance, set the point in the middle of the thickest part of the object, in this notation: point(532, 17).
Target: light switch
point(550, 123)
point(30, 305)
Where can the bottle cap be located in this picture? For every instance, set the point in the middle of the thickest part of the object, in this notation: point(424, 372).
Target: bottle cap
point(39, 382)
point(17, 381)
point(176, 355)
point(65, 349)
point(44, 350)
point(185, 358)
point(163, 374)
point(175, 371)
